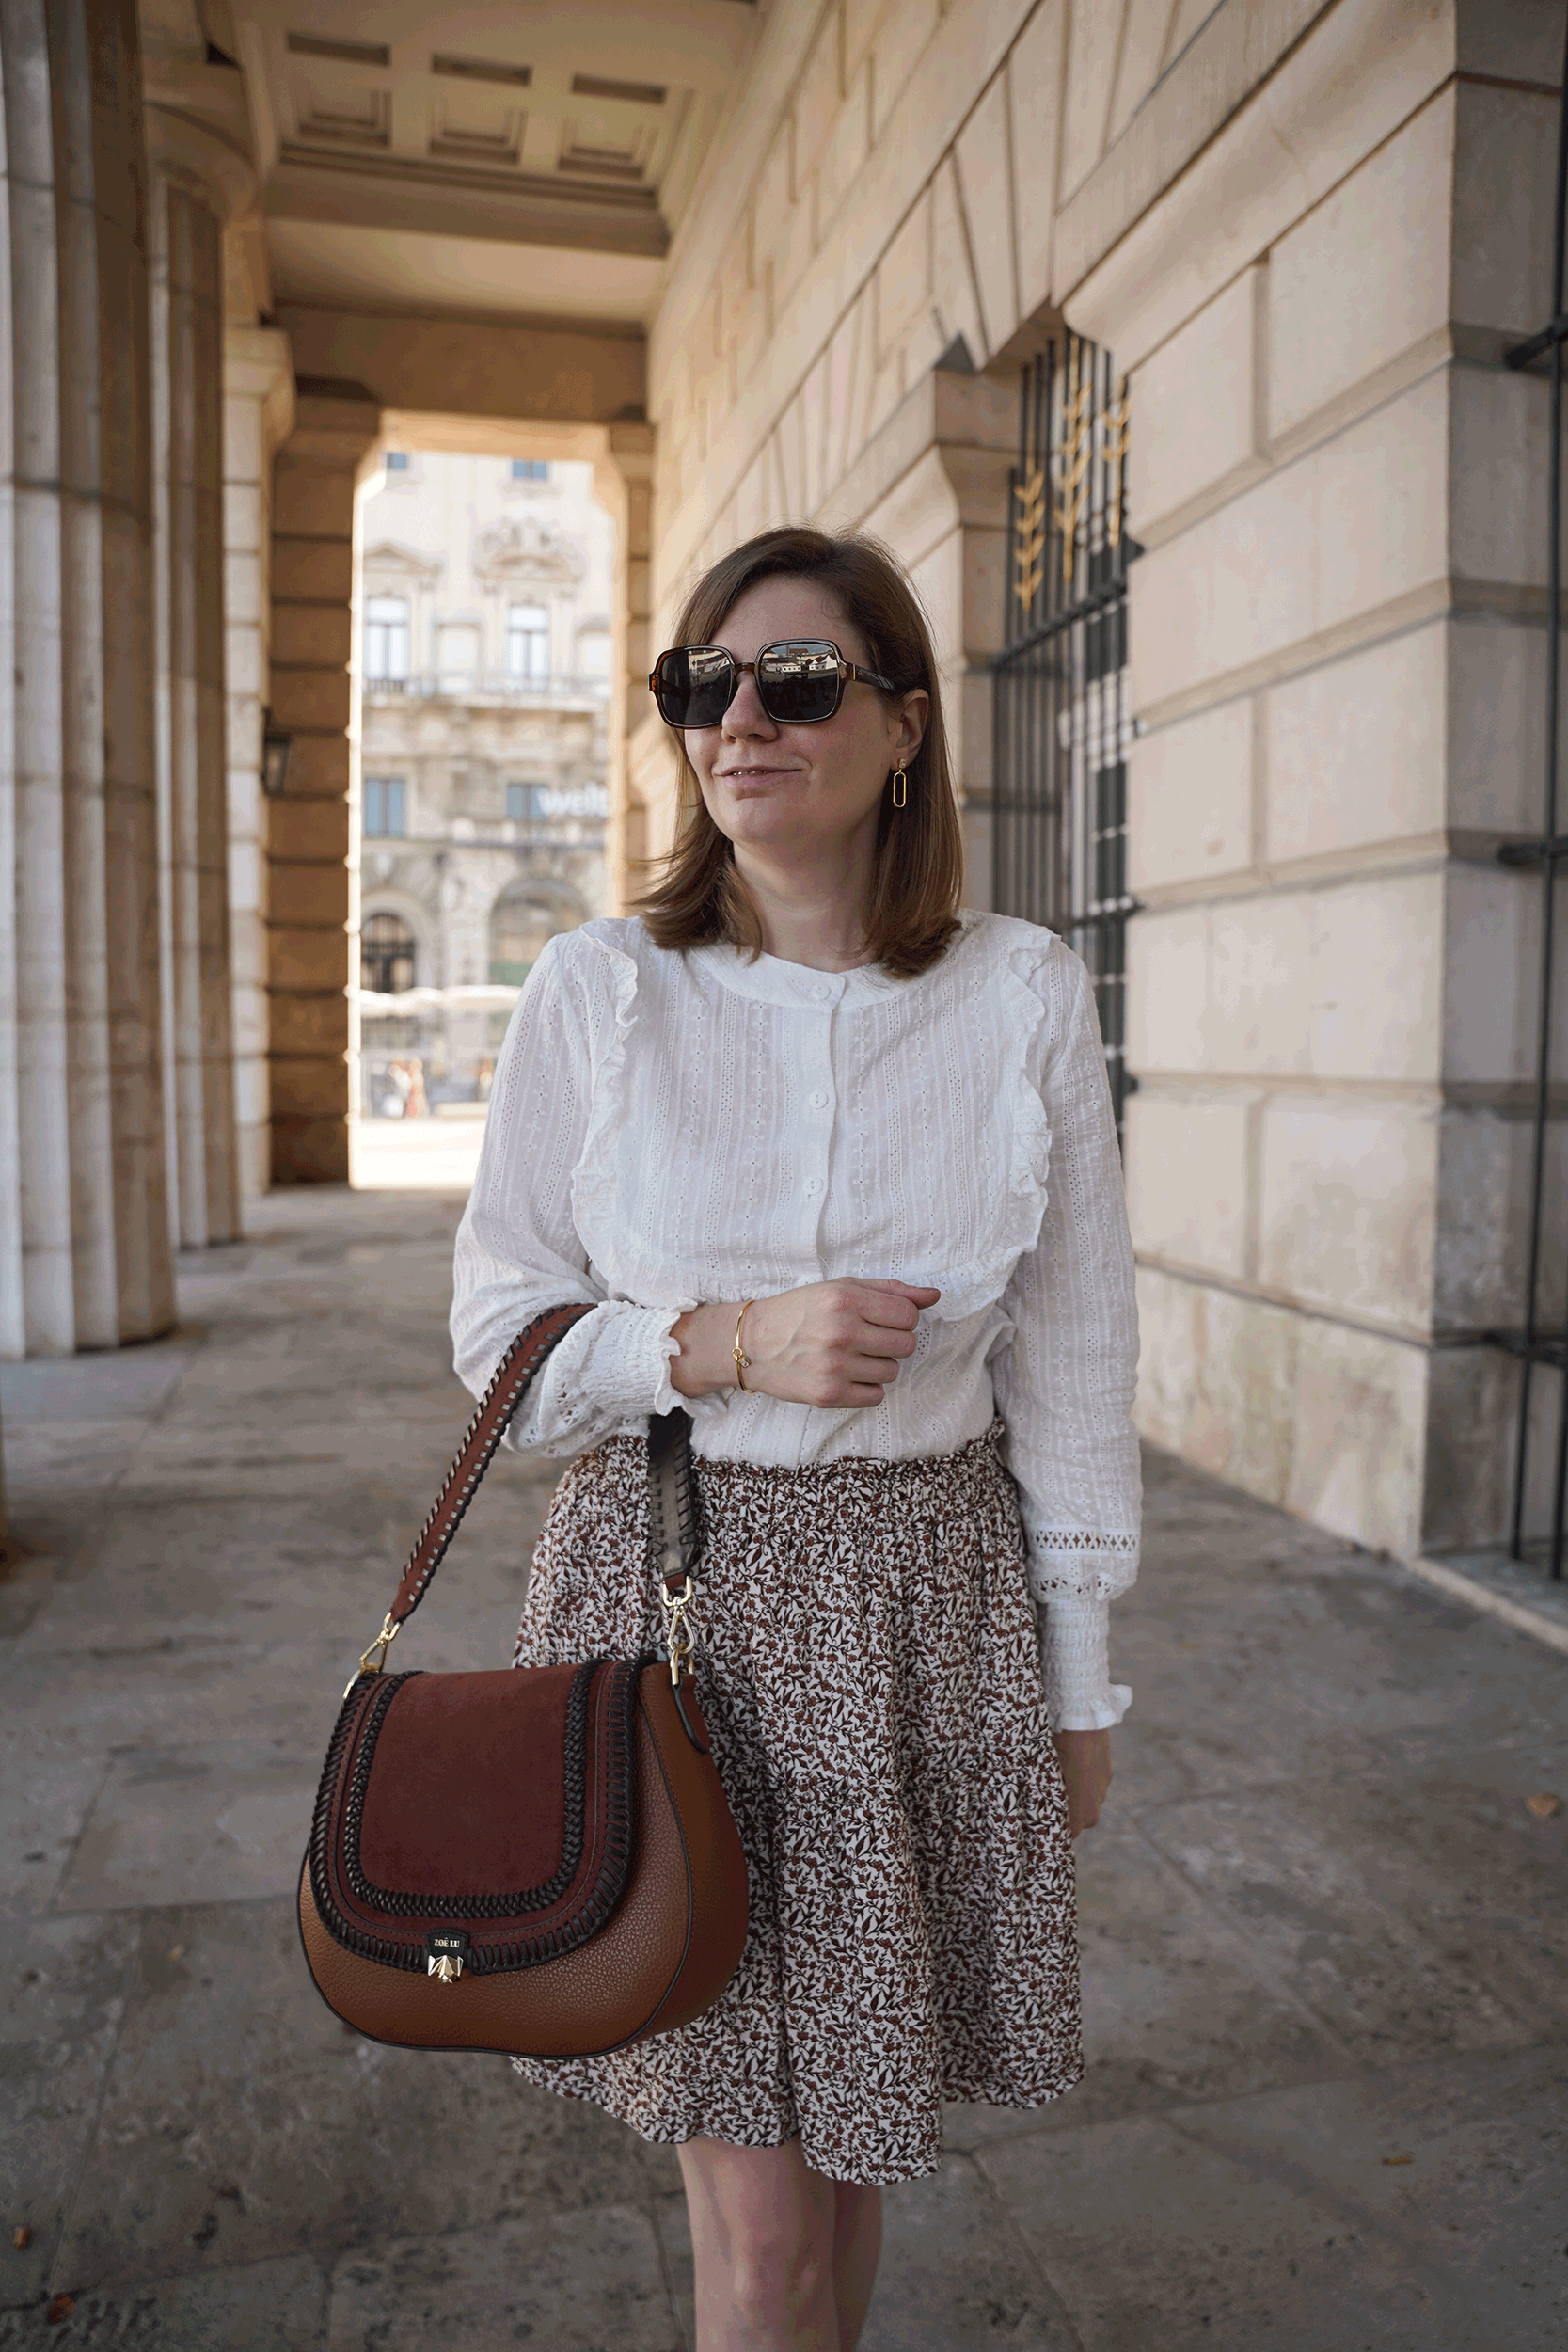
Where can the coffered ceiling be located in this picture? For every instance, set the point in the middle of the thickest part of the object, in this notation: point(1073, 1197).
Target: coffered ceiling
point(478, 157)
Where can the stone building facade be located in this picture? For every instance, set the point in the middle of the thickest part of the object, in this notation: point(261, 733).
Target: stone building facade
point(750, 262)
point(484, 605)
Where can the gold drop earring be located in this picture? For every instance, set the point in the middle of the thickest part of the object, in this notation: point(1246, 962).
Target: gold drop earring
point(900, 789)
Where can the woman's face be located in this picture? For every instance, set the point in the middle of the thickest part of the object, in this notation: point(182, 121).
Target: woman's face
point(800, 793)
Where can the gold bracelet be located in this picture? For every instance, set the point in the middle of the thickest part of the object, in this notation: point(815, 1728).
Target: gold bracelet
point(742, 1361)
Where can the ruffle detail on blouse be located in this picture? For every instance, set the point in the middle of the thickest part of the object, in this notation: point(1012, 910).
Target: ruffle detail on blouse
point(608, 1373)
point(1020, 1131)
point(1075, 1669)
point(593, 1178)
point(1031, 1154)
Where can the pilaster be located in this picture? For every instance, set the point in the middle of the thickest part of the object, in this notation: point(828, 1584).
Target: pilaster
point(199, 181)
point(313, 910)
point(932, 485)
point(624, 482)
point(259, 412)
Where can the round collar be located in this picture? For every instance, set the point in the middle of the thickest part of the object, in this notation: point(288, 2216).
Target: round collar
point(772, 981)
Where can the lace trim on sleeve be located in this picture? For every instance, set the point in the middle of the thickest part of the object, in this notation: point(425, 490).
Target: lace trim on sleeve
point(1067, 1563)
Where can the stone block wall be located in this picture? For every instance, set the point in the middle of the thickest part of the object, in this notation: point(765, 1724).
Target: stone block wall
point(908, 188)
point(1337, 661)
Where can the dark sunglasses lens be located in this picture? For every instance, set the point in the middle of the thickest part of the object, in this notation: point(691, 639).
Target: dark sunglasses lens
point(798, 683)
point(696, 686)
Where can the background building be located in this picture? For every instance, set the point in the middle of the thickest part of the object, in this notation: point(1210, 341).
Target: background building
point(755, 262)
point(485, 649)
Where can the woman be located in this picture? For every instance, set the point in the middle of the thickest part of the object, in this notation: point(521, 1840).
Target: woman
point(838, 1164)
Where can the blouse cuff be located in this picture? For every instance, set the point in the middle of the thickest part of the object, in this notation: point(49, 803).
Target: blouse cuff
point(662, 1322)
point(610, 1372)
point(1079, 1692)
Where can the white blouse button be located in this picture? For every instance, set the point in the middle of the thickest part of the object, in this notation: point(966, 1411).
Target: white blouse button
point(819, 1100)
point(814, 1185)
point(821, 992)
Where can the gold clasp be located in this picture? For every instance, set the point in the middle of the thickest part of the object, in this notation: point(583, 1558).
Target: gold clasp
point(377, 1651)
point(445, 1950)
point(679, 1633)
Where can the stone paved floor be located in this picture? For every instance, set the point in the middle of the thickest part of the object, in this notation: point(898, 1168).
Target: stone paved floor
point(1327, 2010)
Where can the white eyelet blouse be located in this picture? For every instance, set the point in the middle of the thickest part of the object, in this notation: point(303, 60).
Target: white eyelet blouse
point(672, 1128)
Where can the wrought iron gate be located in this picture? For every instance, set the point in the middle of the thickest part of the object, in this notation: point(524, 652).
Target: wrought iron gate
point(1542, 1341)
point(1061, 722)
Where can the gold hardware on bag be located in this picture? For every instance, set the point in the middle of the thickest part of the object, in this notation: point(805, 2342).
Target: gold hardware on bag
point(445, 1950)
point(679, 1635)
point(377, 1650)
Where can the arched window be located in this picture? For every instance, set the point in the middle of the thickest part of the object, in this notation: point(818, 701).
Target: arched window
point(520, 922)
point(385, 955)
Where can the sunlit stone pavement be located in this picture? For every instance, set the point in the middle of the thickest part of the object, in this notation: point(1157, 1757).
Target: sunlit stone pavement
point(1326, 2105)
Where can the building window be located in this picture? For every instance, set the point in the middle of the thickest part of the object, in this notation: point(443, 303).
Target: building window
point(519, 926)
point(385, 636)
point(524, 802)
point(529, 469)
point(528, 644)
point(386, 805)
point(396, 460)
point(385, 955)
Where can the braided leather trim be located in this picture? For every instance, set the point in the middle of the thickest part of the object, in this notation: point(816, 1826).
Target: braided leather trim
point(518, 1951)
point(492, 1417)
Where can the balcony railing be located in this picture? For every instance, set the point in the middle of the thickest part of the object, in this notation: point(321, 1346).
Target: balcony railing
point(490, 686)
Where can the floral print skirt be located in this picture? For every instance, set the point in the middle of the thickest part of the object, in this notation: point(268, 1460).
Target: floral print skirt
point(869, 1672)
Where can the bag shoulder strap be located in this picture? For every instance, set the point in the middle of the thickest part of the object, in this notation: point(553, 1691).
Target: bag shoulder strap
point(673, 1493)
point(493, 1416)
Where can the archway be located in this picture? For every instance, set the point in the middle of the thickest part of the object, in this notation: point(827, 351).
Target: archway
point(388, 955)
point(523, 918)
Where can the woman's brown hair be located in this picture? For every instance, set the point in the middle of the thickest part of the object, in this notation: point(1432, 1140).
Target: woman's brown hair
point(917, 865)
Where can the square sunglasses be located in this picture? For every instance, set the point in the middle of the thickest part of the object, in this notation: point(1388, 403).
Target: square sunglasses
point(801, 681)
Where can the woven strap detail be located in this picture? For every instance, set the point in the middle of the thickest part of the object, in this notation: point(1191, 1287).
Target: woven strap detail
point(673, 1523)
point(493, 1417)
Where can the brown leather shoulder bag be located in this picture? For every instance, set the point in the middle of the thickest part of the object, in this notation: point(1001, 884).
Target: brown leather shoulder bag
point(538, 1860)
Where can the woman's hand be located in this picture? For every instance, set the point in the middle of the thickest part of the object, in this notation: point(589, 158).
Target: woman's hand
point(1085, 1758)
point(828, 1344)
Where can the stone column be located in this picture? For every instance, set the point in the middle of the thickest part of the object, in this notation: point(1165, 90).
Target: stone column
point(84, 1239)
point(313, 910)
point(198, 181)
point(259, 410)
point(623, 483)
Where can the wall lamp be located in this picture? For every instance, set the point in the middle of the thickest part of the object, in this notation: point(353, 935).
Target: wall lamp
point(275, 757)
